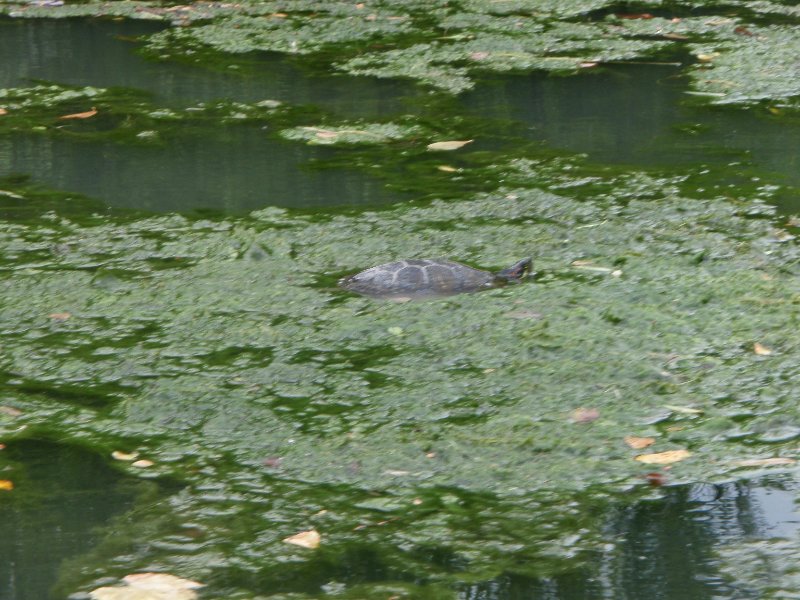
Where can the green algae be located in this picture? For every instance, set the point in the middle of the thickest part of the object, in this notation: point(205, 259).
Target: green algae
point(352, 133)
point(211, 350)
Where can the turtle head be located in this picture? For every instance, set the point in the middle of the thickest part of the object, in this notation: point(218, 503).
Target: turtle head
point(515, 272)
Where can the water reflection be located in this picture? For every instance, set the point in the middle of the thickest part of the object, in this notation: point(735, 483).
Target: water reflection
point(103, 53)
point(665, 548)
point(237, 170)
point(60, 496)
point(641, 116)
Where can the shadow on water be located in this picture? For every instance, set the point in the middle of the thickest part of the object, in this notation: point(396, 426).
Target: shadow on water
point(665, 549)
point(61, 496)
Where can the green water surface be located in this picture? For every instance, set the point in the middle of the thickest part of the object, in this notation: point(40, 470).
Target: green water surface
point(169, 264)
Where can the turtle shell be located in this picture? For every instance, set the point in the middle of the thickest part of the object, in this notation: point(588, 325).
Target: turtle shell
point(418, 278)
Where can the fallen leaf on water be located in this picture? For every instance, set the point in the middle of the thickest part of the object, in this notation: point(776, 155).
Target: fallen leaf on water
point(149, 586)
point(2, 446)
point(451, 145)
point(3, 111)
point(776, 111)
point(663, 458)
point(395, 330)
point(584, 415)
point(142, 463)
point(655, 479)
point(637, 443)
point(765, 462)
point(80, 115)
point(306, 539)
point(761, 350)
point(686, 410)
point(706, 58)
point(588, 64)
point(447, 169)
point(120, 455)
point(6, 484)
point(10, 411)
point(62, 316)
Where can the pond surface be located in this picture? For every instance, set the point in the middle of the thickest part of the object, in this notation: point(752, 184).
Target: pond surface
point(435, 445)
point(641, 116)
point(60, 496)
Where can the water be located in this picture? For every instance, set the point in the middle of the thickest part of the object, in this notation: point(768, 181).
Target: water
point(61, 495)
point(666, 549)
point(640, 116)
point(230, 167)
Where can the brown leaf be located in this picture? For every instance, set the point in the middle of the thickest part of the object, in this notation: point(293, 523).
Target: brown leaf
point(6, 485)
point(584, 415)
point(3, 111)
point(62, 316)
point(655, 478)
point(80, 115)
point(765, 462)
point(306, 539)
point(637, 443)
point(761, 350)
point(634, 16)
point(742, 30)
point(663, 458)
point(451, 145)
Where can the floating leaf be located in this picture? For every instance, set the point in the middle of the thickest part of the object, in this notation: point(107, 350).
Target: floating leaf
point(655, 479)
point(451, 145)
point(62, 316)
point(761, 350)
point(6, 484)
point(766, 462)
point(10, 411)
point(395, 330)
point(686, 410)
point(306, 539)
point(119, 455)
point(80, 115)
point(637, 443)
point(3, 111)
point(149, 586)
point(447, 169)
point(142, 463)
point(585, 415)
point(664, 458)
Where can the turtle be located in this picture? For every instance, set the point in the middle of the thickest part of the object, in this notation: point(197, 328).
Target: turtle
point(429, 278)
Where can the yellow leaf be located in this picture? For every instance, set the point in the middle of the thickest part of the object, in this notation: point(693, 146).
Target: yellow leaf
point(80, 115)
point(451, 145)
point(306, 539)
point(761, 350)
point(3, 111)
point(447, 169)
point(663, 458)
point(765, 462)
point(119, 455)
point(6, 484)
point(687, 410)
point(637, 443)
point(142, 463)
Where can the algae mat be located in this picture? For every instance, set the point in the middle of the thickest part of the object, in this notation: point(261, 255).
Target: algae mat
point(218, 351)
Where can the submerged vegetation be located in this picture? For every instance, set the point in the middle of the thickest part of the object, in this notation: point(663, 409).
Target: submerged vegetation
point(429, 444)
